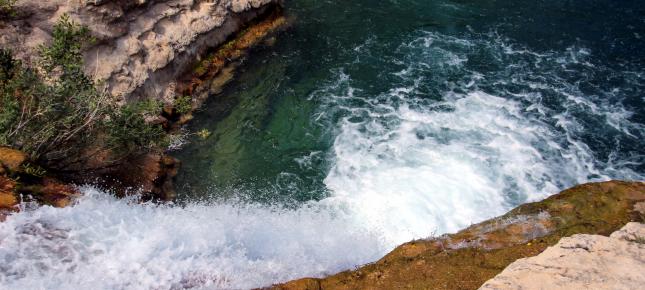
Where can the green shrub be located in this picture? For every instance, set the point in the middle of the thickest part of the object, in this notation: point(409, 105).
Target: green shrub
point(130, 132)
point(60, 118)
point(183, 104)
point(51, 117)
point(6, 7)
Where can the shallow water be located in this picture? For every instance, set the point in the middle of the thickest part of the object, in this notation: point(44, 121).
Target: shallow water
point(365, 126)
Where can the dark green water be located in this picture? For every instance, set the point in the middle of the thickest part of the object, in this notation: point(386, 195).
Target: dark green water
point(275, 126)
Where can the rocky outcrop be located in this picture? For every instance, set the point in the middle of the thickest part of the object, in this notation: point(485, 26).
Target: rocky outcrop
point(151, 174)
point(469, 258)
point(23, 181)
point(581, 262)
point(8, 198)
point(146, 49)
point(142, 46)
point(10, 161)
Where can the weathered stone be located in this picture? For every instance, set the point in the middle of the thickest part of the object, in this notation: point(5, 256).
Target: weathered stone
point(51, 192)
point(152, 174)
point(640, 208)
point(631, 232)
point(143, 46)
point(581, 262)
point(11, 159)
point(8, 198)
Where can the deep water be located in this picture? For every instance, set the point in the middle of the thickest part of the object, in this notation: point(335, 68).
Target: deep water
point(367, 124)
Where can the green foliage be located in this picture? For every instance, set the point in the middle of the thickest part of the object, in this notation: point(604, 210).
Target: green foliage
point(53, 117)
point(10, 108)
point(7, 64)
point(183, 104)
point(58, 117)
point(129, 131)
point(64, 55)
point(6, 7)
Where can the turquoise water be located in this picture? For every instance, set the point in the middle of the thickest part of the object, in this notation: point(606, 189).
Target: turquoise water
point(572, 70)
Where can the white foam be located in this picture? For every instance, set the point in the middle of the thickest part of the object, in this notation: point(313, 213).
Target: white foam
point(439, 171)
point(104, 243)
point(410, 166)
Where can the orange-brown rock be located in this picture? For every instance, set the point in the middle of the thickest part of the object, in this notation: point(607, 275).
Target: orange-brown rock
point(44, 190)
point(8, 198)
point(59, 194)
point(150, 173)
point(51, 192)
point(469, 258)
point(11, 159)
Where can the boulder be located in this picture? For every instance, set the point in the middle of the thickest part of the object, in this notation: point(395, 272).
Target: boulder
point(11, 159)
point(151, 174)
point(8, 198)
point(581, 262)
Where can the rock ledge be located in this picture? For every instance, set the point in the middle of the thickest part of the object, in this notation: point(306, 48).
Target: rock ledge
point(581, 262)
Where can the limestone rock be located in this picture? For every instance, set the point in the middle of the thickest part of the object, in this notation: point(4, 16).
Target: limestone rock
point(582, 262)
point(143, 46)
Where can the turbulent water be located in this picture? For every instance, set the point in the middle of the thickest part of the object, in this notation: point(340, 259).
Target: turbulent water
point(366, 125)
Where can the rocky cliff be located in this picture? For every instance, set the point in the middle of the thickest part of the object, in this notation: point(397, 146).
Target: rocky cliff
point(467, 259)
point(143, 46)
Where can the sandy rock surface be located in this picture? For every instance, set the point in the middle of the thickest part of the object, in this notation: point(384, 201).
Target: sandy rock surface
point(582, 262)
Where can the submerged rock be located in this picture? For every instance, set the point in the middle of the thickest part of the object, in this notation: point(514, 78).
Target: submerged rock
point(469, 258)
point(581, 262)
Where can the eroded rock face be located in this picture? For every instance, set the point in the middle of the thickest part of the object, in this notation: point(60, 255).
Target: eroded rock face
point(143, 46)
point(581, 262)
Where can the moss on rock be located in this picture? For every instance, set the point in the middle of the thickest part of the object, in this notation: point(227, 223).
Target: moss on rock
point(469, 258)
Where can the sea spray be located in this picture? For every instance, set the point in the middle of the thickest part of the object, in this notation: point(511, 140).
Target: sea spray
point(106, 243)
